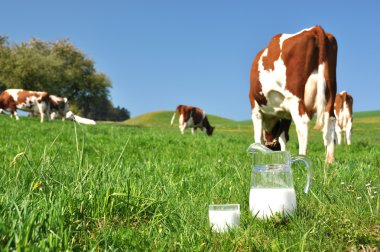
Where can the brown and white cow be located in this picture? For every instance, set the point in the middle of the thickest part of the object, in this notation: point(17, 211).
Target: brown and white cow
point(192, 117)
point(59, 106)
point(31, 101)
point(293, 78)
point(343, 114)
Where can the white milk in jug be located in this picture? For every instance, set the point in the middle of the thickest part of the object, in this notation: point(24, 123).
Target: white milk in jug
point(265, 202)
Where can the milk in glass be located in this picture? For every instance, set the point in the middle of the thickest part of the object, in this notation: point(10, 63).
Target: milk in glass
point(224, 217)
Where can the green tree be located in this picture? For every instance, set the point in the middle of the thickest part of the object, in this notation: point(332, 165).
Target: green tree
point(61, 69)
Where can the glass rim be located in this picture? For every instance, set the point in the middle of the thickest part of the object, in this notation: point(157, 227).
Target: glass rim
point(271, 152)
point(224, 207)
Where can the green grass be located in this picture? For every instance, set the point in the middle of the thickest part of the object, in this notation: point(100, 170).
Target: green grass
point(119, 187)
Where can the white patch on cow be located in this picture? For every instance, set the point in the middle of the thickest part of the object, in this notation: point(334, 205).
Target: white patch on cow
point(273, 84)
point(320, 103)
point(328, 136)
point(55, 98)
point(190, 122)
point(311, 91)
point(302, 127)
point(14, 93)
point(257, 120)
point(348, 132)
point(286, 36)
point(181, 124)
point(343, 123)
point(338, 132)
point(28, 104)
point(203, 114)
point(346, 115)
point(53, 115)
point(272, 80)
point(282, 140)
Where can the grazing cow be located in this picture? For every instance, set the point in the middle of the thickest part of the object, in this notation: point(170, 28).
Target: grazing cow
point(30, 101)
point(343, 114)
point(59, 106)
point(192, 117)
point(293, 78)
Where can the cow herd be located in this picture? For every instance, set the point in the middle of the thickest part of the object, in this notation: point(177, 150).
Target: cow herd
point(34, 102)
point(292, 79)
point(38, 103)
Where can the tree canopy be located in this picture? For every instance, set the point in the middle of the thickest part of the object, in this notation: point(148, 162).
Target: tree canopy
point(60, 69)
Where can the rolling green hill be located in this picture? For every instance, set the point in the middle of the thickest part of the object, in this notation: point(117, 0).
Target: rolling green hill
point(163, 118)
point(364, 114)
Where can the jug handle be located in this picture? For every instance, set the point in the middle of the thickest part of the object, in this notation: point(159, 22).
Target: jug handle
point(307, 163)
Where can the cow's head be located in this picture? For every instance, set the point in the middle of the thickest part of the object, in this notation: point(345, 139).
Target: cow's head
point(66, 105)
point(272, 137)
point(210, 130)
point(271, 141)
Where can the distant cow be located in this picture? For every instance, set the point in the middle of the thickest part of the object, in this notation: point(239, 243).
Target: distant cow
point(59, 106)
point(293, 78)
point(192, 117)
point(343, 113)
point(30, 101)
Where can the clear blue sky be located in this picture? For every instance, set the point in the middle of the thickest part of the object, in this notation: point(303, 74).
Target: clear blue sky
point(159, 54)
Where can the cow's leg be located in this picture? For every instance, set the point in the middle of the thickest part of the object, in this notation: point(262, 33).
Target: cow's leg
point(284, 136)
point(47, 111)
point(193, 130)
point(182, 128)
point(52, 115)
point(204, 130)
point(14, 112)
point(301, 121)
point(257, 120)
point(328, 136)
point(39, 106)
point(181, 124)
point(338, 133)
point(348, 131)
point(282, 140)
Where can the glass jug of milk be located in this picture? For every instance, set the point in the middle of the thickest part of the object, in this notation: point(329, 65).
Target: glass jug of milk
point(272, 191)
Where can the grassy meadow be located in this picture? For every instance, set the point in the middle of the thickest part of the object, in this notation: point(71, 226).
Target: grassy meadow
point(141, 186)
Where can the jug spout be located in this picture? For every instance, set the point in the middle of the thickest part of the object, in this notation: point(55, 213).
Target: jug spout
point(257, 147)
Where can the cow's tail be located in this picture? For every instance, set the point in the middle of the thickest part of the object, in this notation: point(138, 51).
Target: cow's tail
point(173, 117)
point(321, 81)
